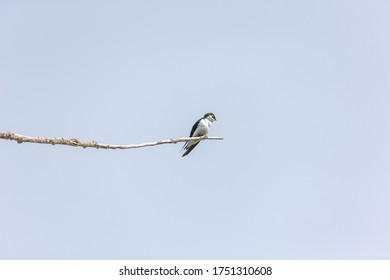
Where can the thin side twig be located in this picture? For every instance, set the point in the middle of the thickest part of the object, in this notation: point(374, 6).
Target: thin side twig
point(93, 144)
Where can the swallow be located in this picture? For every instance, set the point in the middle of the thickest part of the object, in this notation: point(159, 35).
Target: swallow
point(200, 128)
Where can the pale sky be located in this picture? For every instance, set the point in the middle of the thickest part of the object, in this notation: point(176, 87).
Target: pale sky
point(301, 91)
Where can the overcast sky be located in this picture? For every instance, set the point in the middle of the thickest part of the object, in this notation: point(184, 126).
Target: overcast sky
point(301, 91)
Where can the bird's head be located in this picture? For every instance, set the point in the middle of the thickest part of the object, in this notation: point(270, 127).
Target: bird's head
point(210, 117)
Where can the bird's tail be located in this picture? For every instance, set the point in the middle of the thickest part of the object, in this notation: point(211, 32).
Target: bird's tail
point(189, 149)
point(185, 144)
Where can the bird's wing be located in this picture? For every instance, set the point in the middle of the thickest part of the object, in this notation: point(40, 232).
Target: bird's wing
point(194, 127)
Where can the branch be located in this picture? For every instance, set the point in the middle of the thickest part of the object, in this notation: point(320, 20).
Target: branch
point(93, 144)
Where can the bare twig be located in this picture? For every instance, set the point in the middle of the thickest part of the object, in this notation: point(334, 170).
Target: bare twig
point(93, 144)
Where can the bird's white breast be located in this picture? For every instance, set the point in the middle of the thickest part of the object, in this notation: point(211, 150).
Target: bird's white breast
point(203, 128)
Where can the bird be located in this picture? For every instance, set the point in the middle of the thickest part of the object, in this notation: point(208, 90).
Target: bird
point(200, 128)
